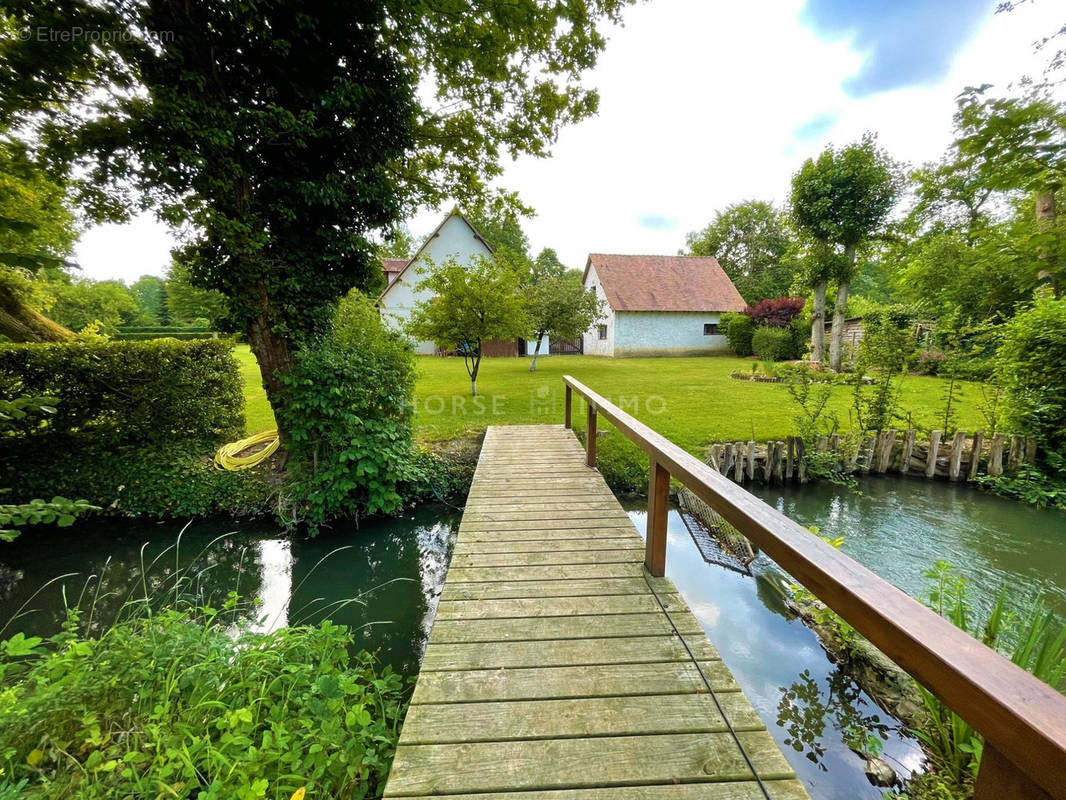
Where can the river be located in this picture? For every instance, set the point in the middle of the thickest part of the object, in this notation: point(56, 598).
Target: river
point(393, 570)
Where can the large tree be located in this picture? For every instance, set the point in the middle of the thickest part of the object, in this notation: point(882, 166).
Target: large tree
point(150, 294)
point(37, 232)
point(841, 199)
point(469, 306)
point(752, 242)
point(290, 132)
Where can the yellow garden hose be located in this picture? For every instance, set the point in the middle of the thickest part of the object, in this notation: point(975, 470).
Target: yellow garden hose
point(227, 458)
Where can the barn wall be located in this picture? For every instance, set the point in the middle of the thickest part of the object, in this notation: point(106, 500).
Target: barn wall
point(666, 333)
point(592, 344)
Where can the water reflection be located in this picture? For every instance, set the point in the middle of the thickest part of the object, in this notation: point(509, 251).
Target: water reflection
point(383, 580)
point(812, 708)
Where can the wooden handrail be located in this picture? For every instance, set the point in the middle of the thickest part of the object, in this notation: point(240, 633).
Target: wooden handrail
point(1022, 719)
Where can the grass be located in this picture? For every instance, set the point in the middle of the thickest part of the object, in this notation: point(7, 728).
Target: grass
point(691, 401)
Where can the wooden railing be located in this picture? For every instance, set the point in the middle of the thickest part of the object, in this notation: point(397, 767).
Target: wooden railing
point(1022, 719)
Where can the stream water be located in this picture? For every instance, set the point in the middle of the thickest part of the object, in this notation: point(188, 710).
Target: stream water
point(395, 568)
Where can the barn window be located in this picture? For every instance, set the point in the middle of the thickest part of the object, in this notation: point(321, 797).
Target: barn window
point(601, 331)
point(710, 329)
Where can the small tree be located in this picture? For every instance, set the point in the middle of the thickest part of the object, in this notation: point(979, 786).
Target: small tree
point(561, 308)
point(470, 305)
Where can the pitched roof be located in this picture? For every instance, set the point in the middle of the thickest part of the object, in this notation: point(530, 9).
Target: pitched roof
point(664, 283)
point(455, 212)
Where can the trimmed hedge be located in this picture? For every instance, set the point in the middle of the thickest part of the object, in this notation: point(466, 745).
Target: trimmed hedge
point(164, 329)
point(122, 336)
point(130, 393)
point(772, 344)
point(738, 329)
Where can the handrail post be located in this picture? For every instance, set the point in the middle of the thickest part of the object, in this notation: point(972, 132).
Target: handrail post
point(569, 406)
point(999, 779)
point(590, 436)
point(658, 508)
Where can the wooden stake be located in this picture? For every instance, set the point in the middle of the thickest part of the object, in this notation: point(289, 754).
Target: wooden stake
point(790, 457)
point(801, 460)
point(995, 456)
point(975, 453)
point(934, 451)
point(738, 467)
point(779, 457)
point(884, 453)
point(908, 449)
point(1017, 450)
point(955, 464)
point(751, 461)
point(868, 454)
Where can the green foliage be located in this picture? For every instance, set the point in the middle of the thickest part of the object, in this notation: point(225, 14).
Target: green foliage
point(469, 306)
point(186, 302)
point(1033, 639)
point(150, 295)
point(197, 712)
point(884, 350)
point(58, 510)
point(560, 308)
point(773, 344)
point(739, 331)
point(623, 465)
point(348, 416)
point(1043, 486)
point(128, 393)
point(1032, 370)
point(844, 196)
point(752, 242)
point(78, 303)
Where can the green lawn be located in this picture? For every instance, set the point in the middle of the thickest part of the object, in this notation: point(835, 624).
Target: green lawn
point(692, 401)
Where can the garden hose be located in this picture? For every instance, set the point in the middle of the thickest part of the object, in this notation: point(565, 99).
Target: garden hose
point(227, 458)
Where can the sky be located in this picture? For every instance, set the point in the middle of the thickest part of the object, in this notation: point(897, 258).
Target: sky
point(703, 104)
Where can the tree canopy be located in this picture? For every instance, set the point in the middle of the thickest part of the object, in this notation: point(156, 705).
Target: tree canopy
point(752, 242)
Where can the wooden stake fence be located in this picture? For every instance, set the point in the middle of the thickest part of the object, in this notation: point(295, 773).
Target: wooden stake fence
point(961, 458)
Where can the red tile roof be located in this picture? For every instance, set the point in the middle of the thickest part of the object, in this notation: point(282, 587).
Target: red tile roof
point(393, 264)
point(665, 283)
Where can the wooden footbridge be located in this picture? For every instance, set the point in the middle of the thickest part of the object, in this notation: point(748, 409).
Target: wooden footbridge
point(563, 666)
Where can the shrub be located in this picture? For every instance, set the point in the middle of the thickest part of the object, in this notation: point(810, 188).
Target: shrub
point(348, 415)
point(173, 704)
point(772, 344)
point(777, 313)
point(624, 466)
point(116, 394)
point(738, 329)
point(928, 363)
point(1032, 369)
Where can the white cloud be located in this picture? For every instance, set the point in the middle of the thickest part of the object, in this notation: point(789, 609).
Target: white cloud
point(699, 107)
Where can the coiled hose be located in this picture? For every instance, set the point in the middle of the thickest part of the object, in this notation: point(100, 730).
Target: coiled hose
point(227, 457)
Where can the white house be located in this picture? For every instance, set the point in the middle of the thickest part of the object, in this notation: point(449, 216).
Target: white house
point(659, 305)
point(454, 239)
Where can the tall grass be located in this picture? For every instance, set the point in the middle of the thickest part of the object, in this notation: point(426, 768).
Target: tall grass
point(175, 697)
point(1037, 647)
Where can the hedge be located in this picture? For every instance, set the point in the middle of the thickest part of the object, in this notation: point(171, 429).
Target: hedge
point(120, 394)
point(164, 329)
point(123, 336)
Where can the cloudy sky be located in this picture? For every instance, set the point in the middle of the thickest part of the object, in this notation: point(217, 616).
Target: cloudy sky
point(704, 103)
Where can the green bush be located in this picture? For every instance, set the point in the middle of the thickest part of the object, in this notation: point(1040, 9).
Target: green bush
point(347, 410)
point(163, 480)
point(1032, 368)
point(115, 394)
point(773, 344)
point(624, 466)
point(179, 335)
point(172, 704)
point(738, 329)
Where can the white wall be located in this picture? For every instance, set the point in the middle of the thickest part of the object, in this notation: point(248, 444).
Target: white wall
point(593, 344)
point(655, 333)
point(454, 240)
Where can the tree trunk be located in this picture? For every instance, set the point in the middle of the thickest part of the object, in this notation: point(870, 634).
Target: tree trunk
point(473, 375)
point(836, 334)
point(20, 323)
point(818, 323)
point(272, 351)
point(536, 352)
point(1045, 222)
